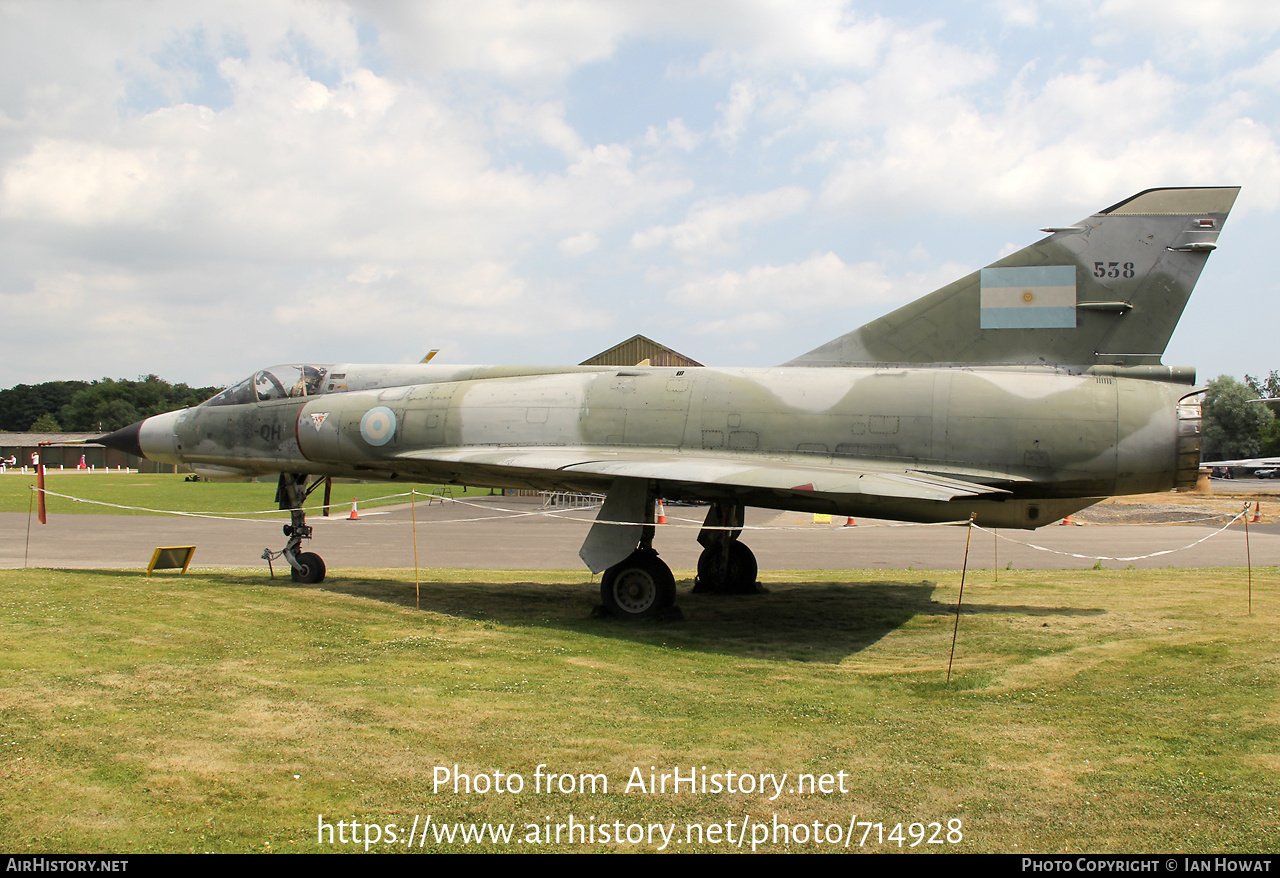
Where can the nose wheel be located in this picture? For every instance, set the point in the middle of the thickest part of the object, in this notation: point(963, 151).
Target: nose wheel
point(310, 568)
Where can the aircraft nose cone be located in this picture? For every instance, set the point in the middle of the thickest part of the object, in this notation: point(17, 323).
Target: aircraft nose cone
point(126, 439)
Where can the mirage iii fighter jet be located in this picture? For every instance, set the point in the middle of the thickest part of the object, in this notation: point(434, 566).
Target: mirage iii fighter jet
point(1019, 394)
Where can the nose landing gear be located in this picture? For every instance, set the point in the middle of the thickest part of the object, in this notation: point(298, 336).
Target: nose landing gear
point(291, 493)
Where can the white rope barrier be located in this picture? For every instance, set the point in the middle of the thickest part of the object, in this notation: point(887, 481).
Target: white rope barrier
point(507, 513)
point(1190, 545)
point(673, 521)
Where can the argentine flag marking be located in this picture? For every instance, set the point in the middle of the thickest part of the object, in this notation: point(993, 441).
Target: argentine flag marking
point(1028, 297)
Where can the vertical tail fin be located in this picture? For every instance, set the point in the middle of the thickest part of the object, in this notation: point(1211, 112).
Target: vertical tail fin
point(1107, 291)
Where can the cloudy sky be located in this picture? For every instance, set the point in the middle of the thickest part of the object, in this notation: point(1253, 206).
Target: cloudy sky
point(202, 189)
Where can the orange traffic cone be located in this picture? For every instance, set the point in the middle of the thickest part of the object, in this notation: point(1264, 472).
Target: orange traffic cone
point(354, 516)
point(849, 522)
point(1257, 513)
point(662, 513)
point(1067, 520)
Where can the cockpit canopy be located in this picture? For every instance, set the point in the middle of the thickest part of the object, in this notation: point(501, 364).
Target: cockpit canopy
point(289, 381)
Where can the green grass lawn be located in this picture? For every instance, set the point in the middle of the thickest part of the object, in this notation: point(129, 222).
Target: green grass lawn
point(1103, 711)
point(170, 492)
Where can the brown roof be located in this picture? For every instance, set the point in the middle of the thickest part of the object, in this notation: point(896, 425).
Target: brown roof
point(636, 350)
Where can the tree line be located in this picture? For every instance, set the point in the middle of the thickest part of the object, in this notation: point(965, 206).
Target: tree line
point(92, 406)
point(1236, 424)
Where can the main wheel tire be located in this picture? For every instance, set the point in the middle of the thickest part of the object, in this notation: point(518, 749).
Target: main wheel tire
point(639, 587)
point(738, 578)
point(312, 568)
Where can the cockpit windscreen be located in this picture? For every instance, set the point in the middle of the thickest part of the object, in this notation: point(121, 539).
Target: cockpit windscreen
point(290, 381)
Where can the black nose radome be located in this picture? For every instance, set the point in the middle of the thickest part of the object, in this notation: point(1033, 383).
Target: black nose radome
point(125, 439)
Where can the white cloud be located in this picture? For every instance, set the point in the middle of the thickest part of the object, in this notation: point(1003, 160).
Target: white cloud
point(514, 39)
point(1190, 27)
point(80, 183)
point(1019, 13)
point(712, 225)
point(675, 133)
point(921, 81)
point(534, 41)
point(543, 121)
point(823, 282)
point(578, 245)
point(422, 309)
point(1265, 74)
point(1080, 139)
point(780, 34)
point(739, 324)
point(375, 172)
point(735, 113)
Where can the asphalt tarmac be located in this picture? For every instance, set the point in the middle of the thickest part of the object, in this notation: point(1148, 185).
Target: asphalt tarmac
point(516, 534)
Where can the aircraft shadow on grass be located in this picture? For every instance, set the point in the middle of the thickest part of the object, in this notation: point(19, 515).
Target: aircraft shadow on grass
point(818, 621)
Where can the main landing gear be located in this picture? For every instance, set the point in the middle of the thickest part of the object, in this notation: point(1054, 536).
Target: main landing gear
point(725, 566)
point(291, 493)
point(639, 586)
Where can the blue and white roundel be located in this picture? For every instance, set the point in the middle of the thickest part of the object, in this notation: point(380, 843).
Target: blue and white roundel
point(378, 425)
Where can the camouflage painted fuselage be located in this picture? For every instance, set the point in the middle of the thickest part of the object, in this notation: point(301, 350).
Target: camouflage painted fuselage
point(1018, 447)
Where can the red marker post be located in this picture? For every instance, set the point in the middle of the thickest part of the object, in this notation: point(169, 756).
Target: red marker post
point(40, 510)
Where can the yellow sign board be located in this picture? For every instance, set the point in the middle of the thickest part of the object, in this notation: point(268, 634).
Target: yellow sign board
point(170, 557)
